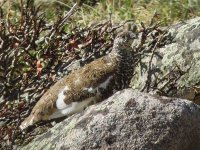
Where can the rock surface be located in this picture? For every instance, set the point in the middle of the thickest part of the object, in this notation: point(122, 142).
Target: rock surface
point(175, 66)
point(127, 120)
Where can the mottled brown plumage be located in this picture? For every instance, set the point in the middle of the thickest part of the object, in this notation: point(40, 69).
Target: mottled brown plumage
point(91, 83)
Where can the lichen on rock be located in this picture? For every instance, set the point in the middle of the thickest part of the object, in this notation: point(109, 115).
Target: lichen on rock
point(127, 120)
point(176, 71)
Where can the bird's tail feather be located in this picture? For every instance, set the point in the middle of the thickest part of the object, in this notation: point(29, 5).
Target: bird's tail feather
point(30, 120)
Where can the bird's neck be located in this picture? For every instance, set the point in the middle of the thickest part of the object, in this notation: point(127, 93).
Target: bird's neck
point(123, 58)
point(119, 52)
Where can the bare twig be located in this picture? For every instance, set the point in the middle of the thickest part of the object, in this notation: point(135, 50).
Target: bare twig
point(148, 80)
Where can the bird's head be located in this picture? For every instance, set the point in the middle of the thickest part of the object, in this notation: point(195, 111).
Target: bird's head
point(124, 40)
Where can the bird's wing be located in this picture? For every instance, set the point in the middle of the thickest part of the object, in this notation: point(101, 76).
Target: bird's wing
point(72, 89)
point(80, 84)
point(84, 83)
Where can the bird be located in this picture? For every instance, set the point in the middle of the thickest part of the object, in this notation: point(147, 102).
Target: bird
point(90, 84)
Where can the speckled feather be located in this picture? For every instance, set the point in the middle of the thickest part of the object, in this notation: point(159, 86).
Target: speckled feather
point(99, 79)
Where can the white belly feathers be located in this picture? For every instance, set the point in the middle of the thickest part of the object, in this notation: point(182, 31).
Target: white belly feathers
point(74, 107)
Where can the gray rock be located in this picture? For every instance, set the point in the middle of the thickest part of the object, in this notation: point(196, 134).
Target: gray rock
point(176, 71)
point(127, 120)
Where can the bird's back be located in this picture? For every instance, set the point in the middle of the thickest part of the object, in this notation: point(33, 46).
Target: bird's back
point(93, 82)
point(92, 79)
